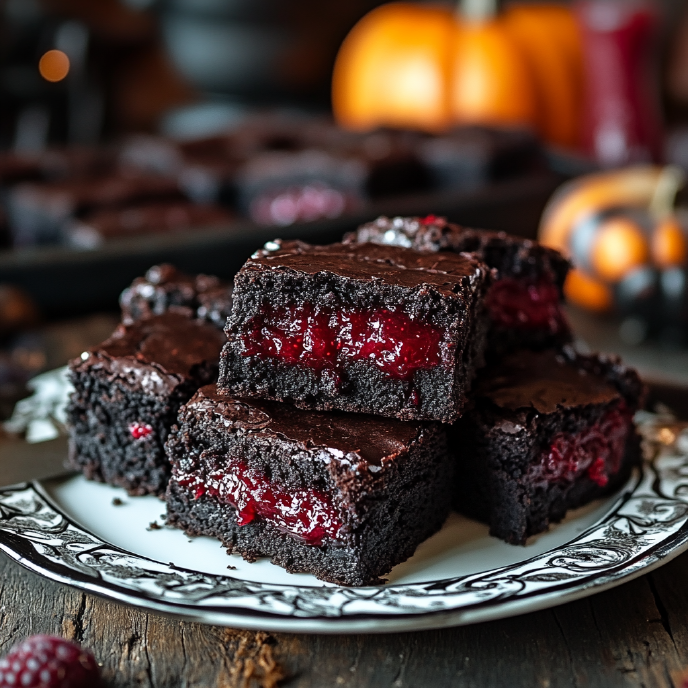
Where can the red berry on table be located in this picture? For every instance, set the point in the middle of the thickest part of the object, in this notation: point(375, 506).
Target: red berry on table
point(46, 661)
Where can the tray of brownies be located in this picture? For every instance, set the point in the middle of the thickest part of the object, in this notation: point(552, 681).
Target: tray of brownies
point(391, 432)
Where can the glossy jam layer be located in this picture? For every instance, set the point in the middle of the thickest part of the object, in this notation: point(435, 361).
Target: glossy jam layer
point(322, 338)
point(307, 514)
point(596, 452)
point(140, 431)
point(523, 304)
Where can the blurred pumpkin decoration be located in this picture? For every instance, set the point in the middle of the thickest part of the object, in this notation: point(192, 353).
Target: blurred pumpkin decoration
point(426, 67)
point(627, 242)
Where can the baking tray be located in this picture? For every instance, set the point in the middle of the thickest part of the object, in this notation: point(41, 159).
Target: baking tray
point(65, 282)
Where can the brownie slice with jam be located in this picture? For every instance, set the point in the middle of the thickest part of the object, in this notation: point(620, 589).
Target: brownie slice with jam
point(358, 328)
point(547, 432)
point(344, 497)
point(128, 391)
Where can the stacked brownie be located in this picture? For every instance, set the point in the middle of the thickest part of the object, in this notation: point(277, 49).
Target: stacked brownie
point(291, 455)
point(342, 496)
point(355, 404)
point(358, 328)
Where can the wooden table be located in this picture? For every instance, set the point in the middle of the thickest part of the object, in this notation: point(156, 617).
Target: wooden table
point(634, 635)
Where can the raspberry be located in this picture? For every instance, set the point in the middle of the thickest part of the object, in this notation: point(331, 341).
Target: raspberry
point(46, 661)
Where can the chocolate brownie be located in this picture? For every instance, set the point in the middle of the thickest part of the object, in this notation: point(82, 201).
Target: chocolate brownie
point(524, 303)
point(94, 229)
point(41, 213)
point(164, 286)
point(361, 328)
point(128, 392)
point(548, 431)
point(345, 497)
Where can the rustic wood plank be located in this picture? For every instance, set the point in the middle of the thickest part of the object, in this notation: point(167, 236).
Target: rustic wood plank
point(634, 635)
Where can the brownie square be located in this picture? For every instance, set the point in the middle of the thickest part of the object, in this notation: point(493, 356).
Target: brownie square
point(345, 497)
point(547, 432)
point(41, 212)
point(361, 328)
point(524, 303)
point(164, 286)
point(100, 226)
point(128, 391)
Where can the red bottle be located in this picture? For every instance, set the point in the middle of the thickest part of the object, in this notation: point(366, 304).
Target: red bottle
point(622, 120)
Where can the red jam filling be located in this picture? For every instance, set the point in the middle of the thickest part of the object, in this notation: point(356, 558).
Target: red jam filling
point(595, 452)
point(140, 431)
point(526, 305)
point(322, 338)
point(307, 514)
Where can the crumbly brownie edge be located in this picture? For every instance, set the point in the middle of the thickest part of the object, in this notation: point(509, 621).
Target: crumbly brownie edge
point(99, 414)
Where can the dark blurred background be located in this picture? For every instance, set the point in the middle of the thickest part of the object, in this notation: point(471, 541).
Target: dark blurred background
point(135, 63)
point(190, 67)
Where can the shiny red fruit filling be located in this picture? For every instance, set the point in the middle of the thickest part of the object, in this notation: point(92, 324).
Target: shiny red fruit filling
point(526, 305)
point(323, 338)
point(595, 452)
point(140, 430)
point(307, 514)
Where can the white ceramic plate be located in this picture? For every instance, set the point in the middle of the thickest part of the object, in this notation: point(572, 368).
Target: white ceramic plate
point(73, 531)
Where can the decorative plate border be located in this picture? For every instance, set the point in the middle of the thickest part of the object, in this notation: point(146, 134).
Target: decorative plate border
point(646, 526)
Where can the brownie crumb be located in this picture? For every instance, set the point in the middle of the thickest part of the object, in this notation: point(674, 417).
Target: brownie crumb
point(231, 568)
point(118, 502)
point(154, 525)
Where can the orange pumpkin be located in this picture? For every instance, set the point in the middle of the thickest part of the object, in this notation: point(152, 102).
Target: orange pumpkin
point(619, 246)
point(425, 67)
point(669, 243)
point(392, 69)
point(489, 81)
point(548, 39)
point(610, 224)
point(586, 292)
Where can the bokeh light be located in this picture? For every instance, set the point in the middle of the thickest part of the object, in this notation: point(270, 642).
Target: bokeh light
point(54, 65)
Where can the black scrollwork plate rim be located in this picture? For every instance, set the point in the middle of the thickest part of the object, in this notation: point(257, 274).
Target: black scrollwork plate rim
point(223, 600)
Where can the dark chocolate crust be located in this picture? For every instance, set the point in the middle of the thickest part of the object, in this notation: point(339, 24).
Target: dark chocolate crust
point(390, 482)
point(443, 290)
point(518, 406)
point(510, 255)
point(163, 286)
point(141, 375)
